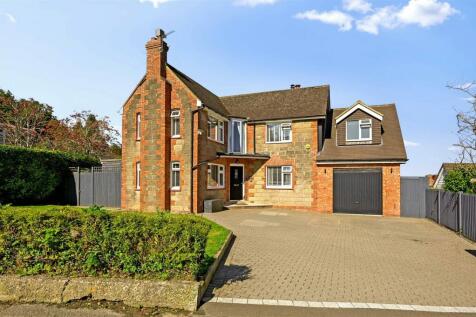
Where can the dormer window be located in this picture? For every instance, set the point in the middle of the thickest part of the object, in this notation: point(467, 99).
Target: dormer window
point(359, 130)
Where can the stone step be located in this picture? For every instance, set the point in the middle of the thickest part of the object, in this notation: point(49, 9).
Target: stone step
point(247, 206)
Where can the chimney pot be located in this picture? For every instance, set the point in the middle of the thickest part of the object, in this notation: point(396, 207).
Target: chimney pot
point(295, 86)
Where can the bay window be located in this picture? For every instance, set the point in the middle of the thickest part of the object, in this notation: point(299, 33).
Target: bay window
point(216, 176)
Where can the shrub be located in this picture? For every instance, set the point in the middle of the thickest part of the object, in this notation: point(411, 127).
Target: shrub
point(77, 242)
point(32, 175)
point(459, 180)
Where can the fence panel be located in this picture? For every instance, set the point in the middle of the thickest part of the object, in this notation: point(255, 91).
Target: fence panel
point(412, 196)
point(96, 186)
point(432, 204)
point(468, 216)
point(449, 210)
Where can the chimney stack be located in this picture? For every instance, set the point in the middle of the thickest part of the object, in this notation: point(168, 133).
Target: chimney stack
point(157, 49)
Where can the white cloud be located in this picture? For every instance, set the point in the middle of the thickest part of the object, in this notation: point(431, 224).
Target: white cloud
point(10, 17)
point(155, 3)
point(425, 12)
point(361, 6)
point(383, 17)
point(334, 17)
point(411, 143)
point(253, 3)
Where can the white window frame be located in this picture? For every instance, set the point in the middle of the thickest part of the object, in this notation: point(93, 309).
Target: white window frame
point(285, 169)
point(232, 136)
point(361, 122)
point(221, 171)
point(219, 127)
point(138, 126)
point(138, 175)
point(175, 117)
point(281, 126)
point(174, 169)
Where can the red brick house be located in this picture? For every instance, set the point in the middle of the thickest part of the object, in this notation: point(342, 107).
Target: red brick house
point(183, 145)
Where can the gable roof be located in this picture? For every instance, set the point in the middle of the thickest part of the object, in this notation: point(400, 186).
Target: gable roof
point(208, 98)
point(390, 149)
point(279, 104)
point(359, 105)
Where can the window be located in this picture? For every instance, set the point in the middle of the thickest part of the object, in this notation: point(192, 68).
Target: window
point(138, 126)
point(175, 118)
point(359, 130)
point(278, 133)
point(216, 176)
point(216, 130)
point(137, 175)
point(279, 177)
point(175, 178)
point(237, 136)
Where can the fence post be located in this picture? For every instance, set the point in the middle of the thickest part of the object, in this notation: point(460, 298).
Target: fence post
point(78, 202)
point(460, 216)
point(92, 180)
point(438, 207)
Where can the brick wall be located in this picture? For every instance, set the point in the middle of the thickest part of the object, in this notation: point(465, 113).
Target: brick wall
point(390, 187)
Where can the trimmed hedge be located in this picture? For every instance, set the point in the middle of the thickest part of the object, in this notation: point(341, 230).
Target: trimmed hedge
point(33, 175)
point(71, 241)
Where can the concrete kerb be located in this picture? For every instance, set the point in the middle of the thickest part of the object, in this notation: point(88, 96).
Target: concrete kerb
point(185, 295)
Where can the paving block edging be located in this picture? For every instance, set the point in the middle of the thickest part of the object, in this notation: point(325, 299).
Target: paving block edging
point(185, 295)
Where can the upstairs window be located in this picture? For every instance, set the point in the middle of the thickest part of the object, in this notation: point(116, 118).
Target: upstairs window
point(175, 118)
point(278, 132)
point(216, 130)
point(359, 130)
point(216, 176)
point(279, 177)
point(175, 179)
point(138, 125)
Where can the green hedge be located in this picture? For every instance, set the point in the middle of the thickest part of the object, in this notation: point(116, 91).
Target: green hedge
point(33, 175)
point(77, 242)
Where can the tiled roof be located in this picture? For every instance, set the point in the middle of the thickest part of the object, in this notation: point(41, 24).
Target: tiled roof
point(280, 104)
point(391, 147)
point(208, 98)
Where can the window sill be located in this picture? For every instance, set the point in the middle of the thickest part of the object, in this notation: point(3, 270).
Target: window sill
point(175, 137)
point(175, 189)
point(276, 187)
point(358, 140)
point(280, 142)
point(216, 141)
point(215, 188)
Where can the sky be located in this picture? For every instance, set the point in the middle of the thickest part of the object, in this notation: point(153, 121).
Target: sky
point(89, 55)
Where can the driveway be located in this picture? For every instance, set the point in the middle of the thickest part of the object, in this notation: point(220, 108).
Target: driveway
point(285, 257)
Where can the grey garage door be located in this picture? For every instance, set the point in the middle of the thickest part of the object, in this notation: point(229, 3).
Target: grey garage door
point(358, 191)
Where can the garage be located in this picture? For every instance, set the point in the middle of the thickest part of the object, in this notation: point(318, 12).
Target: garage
point(358, 191)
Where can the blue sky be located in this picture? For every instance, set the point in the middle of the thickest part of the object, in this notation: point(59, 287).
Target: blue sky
point(78, 55)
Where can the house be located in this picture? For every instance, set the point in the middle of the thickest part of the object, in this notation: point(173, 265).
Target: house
point(183, 145)
point(445, 168)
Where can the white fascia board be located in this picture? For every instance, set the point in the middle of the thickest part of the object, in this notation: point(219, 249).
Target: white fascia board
point(358, 106)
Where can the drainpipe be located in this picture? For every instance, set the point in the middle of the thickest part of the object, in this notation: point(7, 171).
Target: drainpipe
point(192, 165)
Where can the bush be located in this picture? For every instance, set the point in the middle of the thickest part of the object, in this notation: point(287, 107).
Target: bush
point(70, 241)
point(32, 175)
point(459, 180)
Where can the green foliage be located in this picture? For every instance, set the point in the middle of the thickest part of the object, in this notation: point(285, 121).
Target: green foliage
point(459, 180)
point(70, 241)
point(32, 175)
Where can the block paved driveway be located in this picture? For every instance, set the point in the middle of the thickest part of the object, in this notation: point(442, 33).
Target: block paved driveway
point(296, 255)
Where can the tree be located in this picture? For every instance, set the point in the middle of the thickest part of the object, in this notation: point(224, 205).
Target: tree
point(24, 121)
point(85, 133)
point(467, 124)
point(460, 180)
